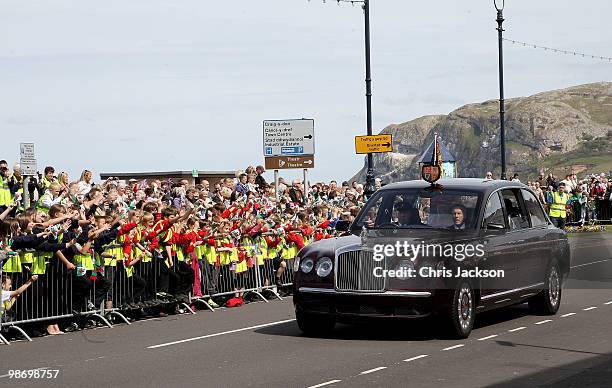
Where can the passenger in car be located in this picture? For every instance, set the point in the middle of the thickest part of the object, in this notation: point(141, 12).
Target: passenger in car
point(459, 217)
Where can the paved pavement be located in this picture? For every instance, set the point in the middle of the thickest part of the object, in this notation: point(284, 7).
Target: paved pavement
point(259, 345)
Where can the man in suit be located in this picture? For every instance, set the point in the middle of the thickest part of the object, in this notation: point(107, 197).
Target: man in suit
point(459, 217)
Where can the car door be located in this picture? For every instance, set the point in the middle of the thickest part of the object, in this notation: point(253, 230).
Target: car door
point(499, 247)
point(518, 221)
point(535, 252)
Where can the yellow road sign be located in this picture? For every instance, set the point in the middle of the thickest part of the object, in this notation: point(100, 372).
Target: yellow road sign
point(373, 144)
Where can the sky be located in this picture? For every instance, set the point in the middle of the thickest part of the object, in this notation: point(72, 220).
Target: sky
point(163, 85)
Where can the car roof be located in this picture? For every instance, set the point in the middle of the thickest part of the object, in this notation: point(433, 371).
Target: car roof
point(471, 184)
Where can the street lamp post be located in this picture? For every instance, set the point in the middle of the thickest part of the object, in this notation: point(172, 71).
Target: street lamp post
point(369, 186)
point(502, 136)
point(369, 189)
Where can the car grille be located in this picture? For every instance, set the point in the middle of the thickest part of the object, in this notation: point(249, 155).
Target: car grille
point(354, 272)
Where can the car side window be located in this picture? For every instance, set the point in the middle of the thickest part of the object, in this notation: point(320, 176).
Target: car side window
point(534, 209)
point(494, 213)
point(517, 217)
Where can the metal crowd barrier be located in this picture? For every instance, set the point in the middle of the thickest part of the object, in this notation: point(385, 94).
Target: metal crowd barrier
point(56, 295)
point(59, 294)
point(599, 213)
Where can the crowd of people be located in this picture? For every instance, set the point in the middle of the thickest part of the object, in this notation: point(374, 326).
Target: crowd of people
point(150, 246)
point(573, 200)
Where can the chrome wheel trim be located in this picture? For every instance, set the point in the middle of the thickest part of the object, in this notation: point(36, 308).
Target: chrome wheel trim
point(465, 307)
point(554, 288)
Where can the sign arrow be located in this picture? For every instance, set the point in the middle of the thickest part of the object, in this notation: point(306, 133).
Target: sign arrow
point(308, 137)
point(387, 144)
point(308, 162)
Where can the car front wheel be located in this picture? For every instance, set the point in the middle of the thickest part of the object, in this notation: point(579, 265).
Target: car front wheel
point(460, 318)
point(547, 302)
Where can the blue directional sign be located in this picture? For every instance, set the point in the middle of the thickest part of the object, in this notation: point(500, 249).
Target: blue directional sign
point(292, 150)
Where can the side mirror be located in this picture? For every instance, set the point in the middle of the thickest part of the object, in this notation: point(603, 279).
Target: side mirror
point(343, 225)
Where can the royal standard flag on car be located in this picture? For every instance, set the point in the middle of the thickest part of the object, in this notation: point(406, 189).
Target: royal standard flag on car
point(436, 155)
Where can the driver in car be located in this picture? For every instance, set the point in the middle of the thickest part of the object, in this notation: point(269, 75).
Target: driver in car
point(407, 215)
point(458, 213)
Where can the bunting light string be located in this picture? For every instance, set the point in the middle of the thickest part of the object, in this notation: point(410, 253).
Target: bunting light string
point(513, 41)
point(560, 51)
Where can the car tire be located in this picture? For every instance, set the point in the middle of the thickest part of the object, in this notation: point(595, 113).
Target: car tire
point(314, 324)
point(460, 318)
point(547, 302)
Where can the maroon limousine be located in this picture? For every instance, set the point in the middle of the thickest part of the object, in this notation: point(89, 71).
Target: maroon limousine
point(447, 250)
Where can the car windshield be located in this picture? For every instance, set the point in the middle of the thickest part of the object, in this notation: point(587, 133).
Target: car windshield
point(421, 208)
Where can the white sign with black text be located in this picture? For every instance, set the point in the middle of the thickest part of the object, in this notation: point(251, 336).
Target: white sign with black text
point(28, 159)
point(288, 137)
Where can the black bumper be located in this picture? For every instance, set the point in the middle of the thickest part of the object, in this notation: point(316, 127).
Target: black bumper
point(356, 306)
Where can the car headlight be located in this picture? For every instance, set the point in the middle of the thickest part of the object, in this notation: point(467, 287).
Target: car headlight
point(324, 266)
point(307, 265)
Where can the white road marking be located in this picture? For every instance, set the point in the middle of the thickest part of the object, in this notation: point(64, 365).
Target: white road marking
point(589, 308)
point(595, 262)
point(487, 337)
point(610, 302)
point(416, 358)
point(326, 383)
point(517, 329)
point(365, 372)
point(219, 334)
point(543, 322)
point(453, 347)
point(567, 315)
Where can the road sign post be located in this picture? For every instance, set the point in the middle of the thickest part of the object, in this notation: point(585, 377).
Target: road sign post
point(306, 186)
point(276, 184)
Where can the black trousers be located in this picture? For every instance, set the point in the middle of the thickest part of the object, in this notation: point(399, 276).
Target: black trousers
point(101, 286)
point(211, 276)
point(81, 286)
point(128, 288)
point(167, 278)
point(182, 281)
point(559, 222)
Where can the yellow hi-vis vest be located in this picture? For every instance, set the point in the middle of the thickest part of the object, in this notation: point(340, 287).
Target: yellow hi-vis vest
point(5, 192)
point(557, 207)
point(85, 261)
